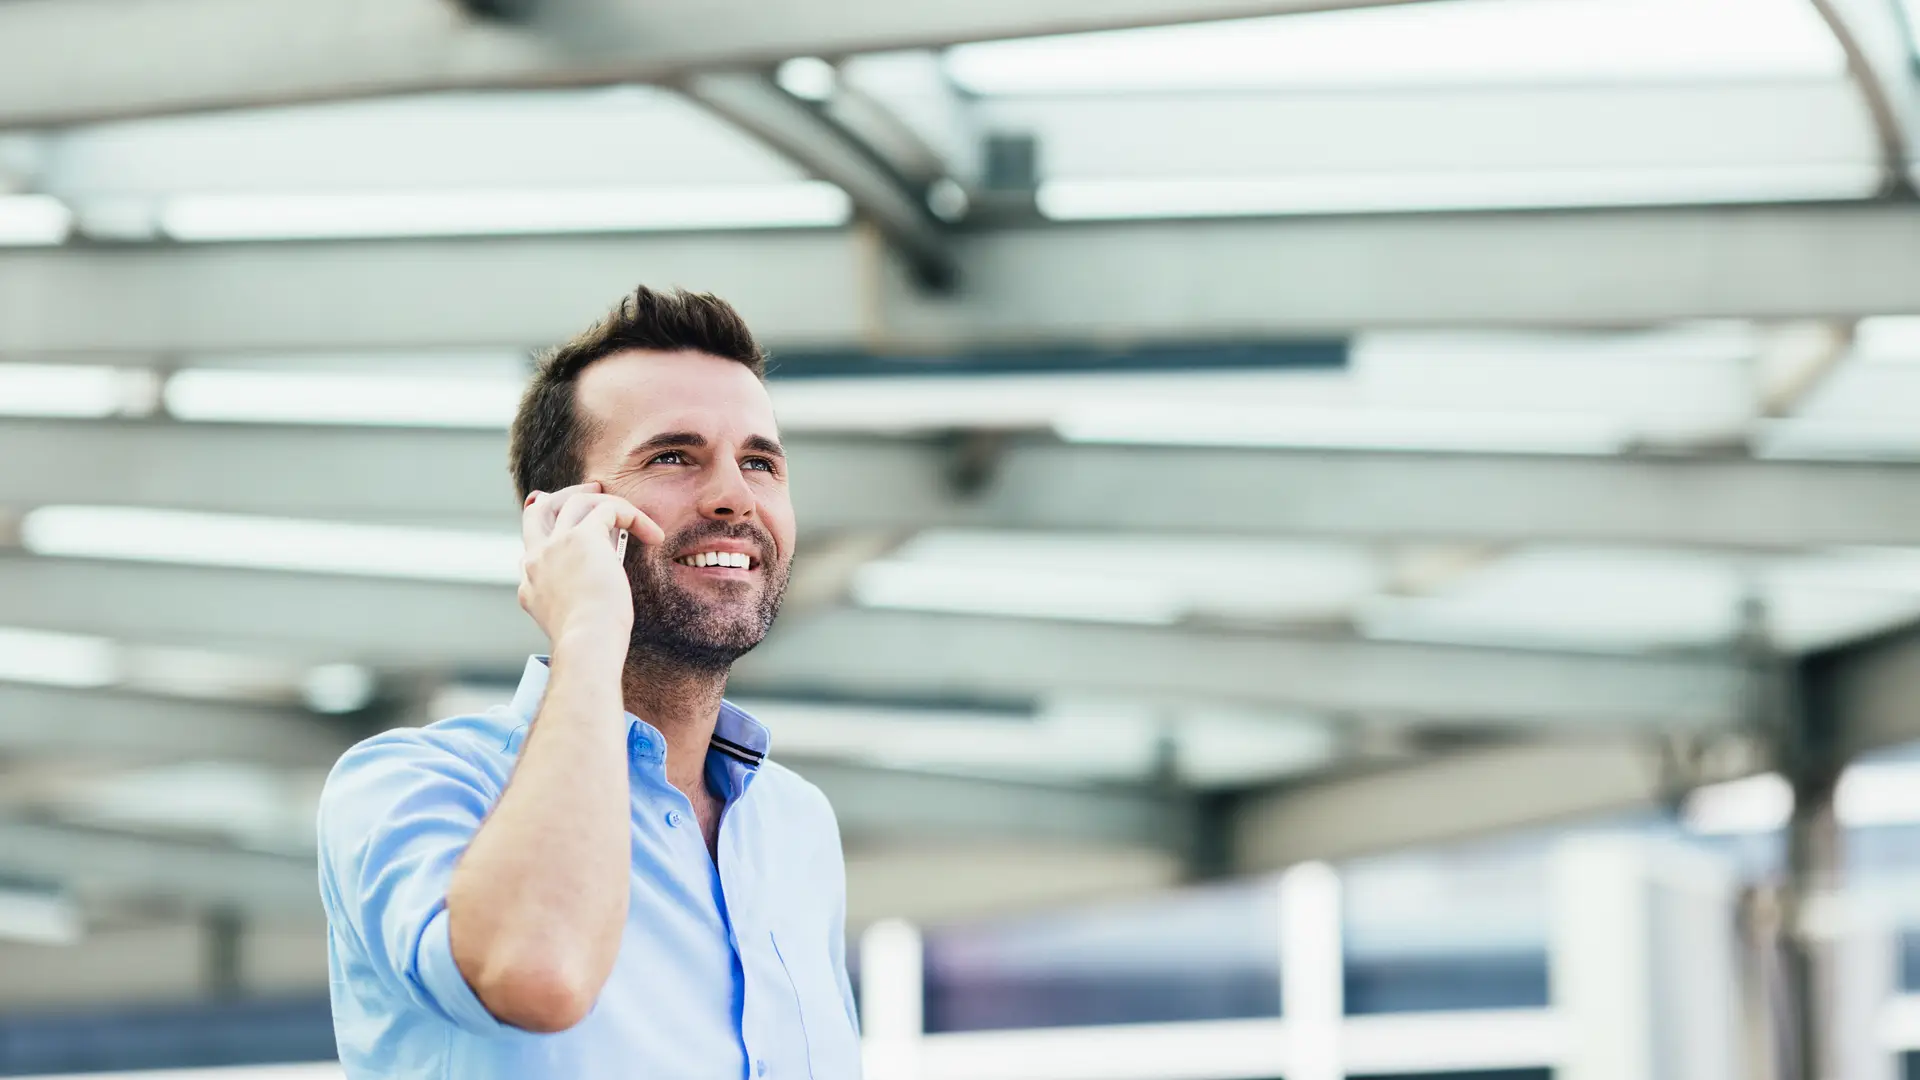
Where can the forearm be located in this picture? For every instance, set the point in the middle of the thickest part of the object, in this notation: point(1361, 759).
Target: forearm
point(539, 900)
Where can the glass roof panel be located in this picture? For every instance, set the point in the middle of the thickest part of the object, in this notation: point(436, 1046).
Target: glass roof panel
point(1251, 152)
point(629, 158)
point(1458, 42)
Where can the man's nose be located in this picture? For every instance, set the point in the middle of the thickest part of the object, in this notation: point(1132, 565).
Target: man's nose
point(727, 494)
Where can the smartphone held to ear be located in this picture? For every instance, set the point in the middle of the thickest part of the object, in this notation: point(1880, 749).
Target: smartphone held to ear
point(620, 545)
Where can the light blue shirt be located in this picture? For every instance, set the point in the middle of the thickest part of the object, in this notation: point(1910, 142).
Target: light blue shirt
point(732, 968)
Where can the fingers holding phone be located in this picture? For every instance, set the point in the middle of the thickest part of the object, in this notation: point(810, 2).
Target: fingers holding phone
point(572, 580)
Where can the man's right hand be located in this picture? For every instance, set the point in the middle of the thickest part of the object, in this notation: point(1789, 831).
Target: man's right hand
point(571, 581)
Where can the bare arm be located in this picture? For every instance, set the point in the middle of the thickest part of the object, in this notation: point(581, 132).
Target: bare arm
point(538, 901)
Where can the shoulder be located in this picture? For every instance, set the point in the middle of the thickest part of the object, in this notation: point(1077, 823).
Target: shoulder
point(798, 799)
point(463, 756)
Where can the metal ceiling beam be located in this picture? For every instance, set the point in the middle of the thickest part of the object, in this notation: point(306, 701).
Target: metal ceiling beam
point(389, 625)
point(915, 878)
point(1152, 281)
point(892, 654)
point(796, 288)
point(102, 864)
point(1448, 798)
point(1727, 501)
point(816, 143)
point(374, 474)
point(1870, 690)
point(406, 624)
point(136, 729)
point(879, 806)
point(858, 483)
point(71, 61)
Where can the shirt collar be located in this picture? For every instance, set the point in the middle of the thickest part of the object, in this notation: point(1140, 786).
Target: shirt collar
point(736, 734)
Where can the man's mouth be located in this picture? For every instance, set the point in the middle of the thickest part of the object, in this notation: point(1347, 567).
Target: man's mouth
point(733, 560)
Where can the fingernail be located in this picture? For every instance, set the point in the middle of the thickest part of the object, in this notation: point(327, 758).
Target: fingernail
point(530, 497)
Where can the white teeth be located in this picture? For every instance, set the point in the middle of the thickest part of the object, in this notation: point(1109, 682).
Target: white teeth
point(737, 559)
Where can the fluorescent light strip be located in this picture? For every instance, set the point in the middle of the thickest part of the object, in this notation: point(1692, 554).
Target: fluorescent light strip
point(34, 221)
point(1348, 429)
point(311, 397)
point(39, 918)
point(1879, 793)
point(808, 78)
point(1124, 199)
point(1754, 804)
point(1874, 794)
point(1013, 592)
point(74, 390)
point(260, 543)
point(48, 658)
point(370, 215)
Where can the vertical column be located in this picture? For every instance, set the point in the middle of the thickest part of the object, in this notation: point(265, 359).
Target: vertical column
point(1312, 972)
point(1806, 724)
point(1812, 908)
point(1867, 964)
point(1644, 961)
point(892, 1000)
point(225, 937)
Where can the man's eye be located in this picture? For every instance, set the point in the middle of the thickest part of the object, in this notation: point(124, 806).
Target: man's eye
point(678, 458)
point(764, 464)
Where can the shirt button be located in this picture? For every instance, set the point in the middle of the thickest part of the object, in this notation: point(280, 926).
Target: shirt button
point(674, 818)
point(760, 1067)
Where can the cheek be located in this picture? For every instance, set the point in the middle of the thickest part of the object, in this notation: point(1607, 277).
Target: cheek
point(777, 514)
point(662, 499)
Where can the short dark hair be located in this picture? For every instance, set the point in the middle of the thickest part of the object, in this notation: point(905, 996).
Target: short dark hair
point(548, 435)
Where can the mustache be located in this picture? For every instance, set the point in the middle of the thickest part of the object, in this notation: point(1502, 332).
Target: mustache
point(722, 530)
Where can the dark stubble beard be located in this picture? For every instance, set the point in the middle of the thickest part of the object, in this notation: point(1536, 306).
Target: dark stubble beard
point(675, 628)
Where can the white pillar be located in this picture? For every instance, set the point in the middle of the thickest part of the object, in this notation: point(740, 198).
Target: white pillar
point(1644, 961)
point(892, 1000)
point(1312, 972)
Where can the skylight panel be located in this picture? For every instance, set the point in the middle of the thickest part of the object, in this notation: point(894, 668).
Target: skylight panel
point(1458, 42)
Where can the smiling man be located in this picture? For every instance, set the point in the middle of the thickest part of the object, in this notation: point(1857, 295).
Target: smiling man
point(606, 877)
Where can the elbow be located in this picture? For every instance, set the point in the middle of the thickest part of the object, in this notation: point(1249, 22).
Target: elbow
point(544, 998)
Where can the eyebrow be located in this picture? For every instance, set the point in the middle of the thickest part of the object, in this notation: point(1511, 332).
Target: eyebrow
point(668, 440)
point(766, 445)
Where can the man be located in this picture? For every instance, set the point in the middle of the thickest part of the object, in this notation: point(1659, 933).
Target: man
point(606, 878)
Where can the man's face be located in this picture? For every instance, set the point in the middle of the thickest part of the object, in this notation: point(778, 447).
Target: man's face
point(690, 439)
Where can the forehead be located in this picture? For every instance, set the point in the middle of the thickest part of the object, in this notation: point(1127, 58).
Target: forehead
point(642, 393)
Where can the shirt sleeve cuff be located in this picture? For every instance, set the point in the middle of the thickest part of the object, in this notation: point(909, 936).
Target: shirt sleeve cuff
point(445, 989)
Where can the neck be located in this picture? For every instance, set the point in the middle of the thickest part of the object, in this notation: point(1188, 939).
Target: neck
point(684, 704)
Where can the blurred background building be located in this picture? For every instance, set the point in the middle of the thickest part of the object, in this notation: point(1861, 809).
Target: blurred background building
point(1340, 539)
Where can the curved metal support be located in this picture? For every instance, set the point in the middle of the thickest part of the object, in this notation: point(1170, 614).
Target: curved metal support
point(756, 104)
point(1878, 63)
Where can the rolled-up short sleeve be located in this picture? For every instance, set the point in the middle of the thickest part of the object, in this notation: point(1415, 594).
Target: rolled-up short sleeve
point(396, 815)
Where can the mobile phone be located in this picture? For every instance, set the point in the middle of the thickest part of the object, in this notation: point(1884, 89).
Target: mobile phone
point(620, 546)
